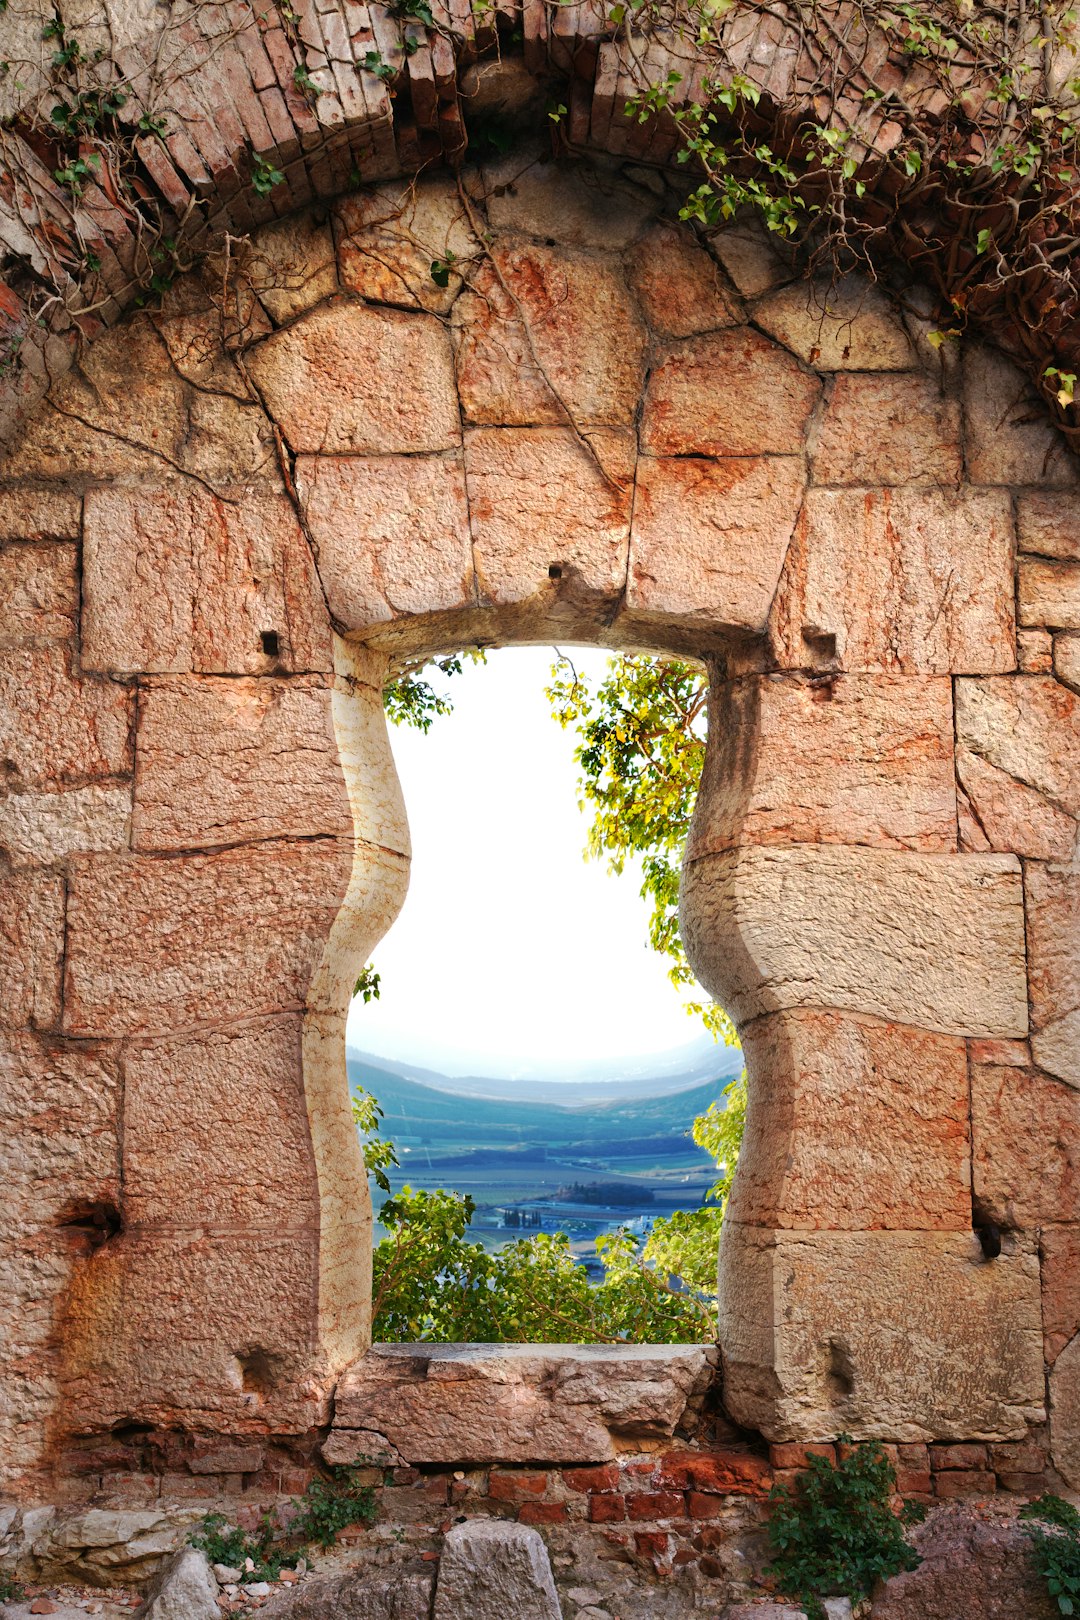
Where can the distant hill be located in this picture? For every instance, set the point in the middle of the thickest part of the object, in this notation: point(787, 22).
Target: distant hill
point(619, 1125)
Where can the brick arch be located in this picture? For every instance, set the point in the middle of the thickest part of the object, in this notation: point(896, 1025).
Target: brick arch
point(627, 440)
point(225, 89)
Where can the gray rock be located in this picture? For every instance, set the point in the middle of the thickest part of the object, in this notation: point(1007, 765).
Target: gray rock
point(257, 1589)
point(357, 1595)
point(491, 1571)
point(225, 1575)
point(837, 1608)
point(764, 1611)
point(185, 1589)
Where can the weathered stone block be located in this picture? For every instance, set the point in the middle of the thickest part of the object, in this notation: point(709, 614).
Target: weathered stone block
point(900, 1159)
point(709, 538)
point(931, 940)
point(1019, 761)
point(491, 1570)
point(918, 580)
point(39, 828)
point(1059, 1248)
point(56, 728)
point(153, 944)
point(858, 759)
point(177, 580)
point(1065, 1414)
point(567, 330)
point(184, 1098)
point(39, 594)
point(32, 937)
point(292, 266)
point(1067, 661)
point(753, 257)
point(59, 1146)
point(1049, 593)
point(678, 284)
point(392, 534)
point(998, 812)
point(539, 501)
point(1025, 1134)
point(574, 206)
point(184, 1590)
point(363, 1594)
point(888, 429)
point(1053, 924)
point(39, 514)
point(945, 1342)
point(844, 326)
point(1049, 524)
point(391, 235)
point(231, 761)
point(512, 1403)
point(1008, 438)
point(972, 1563)
point(727, 394)
point(350, 378)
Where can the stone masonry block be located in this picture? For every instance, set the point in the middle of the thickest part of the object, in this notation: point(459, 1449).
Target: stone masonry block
point(392, 534)
point(888, 429)
point(907, 1334)
point(232, 761)
point(1048, 523)
point(855, 759)
point(539, 501)
point(183, 1098)
point(998, 812)
point(1059, 1248)
point(1052, 894)
point(931, 940)
point(1025, 1130)
point(678, 284)
point(1065, 1414)
point(727, 394)
point(39, 593)
point(56, 727)
point(918, 580)
point(568, 330)
point(391, 235)
point(177, 580)
point(1049, 593)
point(156, 944)
point(709, 538)
point(853, 1124)
point(1008, 438)
point(32, 941)
point(847, 326)
point(349, 378)
point(39, 514)
point(37, 829)
point(573, 206)
point(1027, 727)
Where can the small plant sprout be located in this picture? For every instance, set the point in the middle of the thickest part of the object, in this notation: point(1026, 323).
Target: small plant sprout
point(264, 176)
point(1066, 388)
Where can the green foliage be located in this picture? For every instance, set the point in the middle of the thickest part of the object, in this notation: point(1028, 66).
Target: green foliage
point(1056, 1549)
point(327, 1507)
point(835, 1533)
point(432, 1282)
point(641, 750)
point(88, 113)
point(264, 176)
point(379, 1154)
point(376, 63)
point(11, 1590)
point(79, 173)
point(305, 83)
point(719, 1130)
point(368, 985)
point(411, 700)
point(224, 1543)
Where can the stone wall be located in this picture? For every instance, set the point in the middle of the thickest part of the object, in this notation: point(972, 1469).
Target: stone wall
point(219, 533)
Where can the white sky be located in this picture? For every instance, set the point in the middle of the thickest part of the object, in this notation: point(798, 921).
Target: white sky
point(511, 952)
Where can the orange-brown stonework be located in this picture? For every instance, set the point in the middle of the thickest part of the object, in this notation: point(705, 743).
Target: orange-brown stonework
point(219, 535)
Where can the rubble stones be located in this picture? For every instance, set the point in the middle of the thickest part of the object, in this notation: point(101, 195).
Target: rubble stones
point(489, 1570)
point(185, 1590)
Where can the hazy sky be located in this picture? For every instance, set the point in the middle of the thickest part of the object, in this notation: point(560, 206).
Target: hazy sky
point(510, 947)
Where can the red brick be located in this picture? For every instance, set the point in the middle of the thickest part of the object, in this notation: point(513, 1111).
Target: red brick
point(964, 1457)
point(512, 1487)
point(406, 1476)
point(592, 1479)
point(701, 1506)
point(713, 1568)
point(652, 1543)
point(961, 1482)
point(639, 1470)
point(437, 1488)
point(913, 1481)
point(605, 1509)
point(656, 1505)
point(1018, 1457)
point(684, 1556)
point(788, 1455)
point(1025, 1484)
point(915, 1456)
point(731, 1472)
point(544, 1513)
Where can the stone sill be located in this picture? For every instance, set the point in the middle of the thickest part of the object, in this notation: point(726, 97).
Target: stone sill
point(516, 1403)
